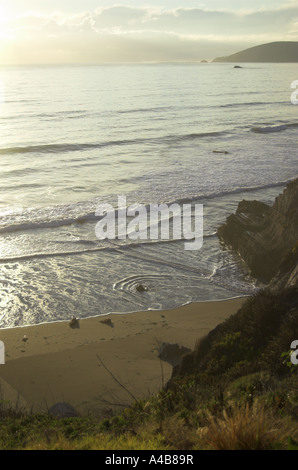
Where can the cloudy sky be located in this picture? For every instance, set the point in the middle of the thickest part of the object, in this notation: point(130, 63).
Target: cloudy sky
point(95, 31)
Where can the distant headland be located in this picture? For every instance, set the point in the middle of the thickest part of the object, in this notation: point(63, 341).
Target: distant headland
point(284, 51)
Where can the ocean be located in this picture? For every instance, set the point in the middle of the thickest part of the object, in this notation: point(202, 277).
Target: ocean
point(75, 137)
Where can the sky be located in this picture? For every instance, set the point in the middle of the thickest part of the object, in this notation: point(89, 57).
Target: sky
point(95, 31)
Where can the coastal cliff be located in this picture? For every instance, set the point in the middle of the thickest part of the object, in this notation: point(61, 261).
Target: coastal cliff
point(254, 339)
point(265, 237)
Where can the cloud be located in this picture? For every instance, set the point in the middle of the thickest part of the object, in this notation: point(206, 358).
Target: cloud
point(196, 20)
point(122, 33)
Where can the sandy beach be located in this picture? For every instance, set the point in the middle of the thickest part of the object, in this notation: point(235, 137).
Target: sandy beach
point(75, 365)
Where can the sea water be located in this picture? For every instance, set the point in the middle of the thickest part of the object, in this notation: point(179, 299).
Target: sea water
point(74, 137)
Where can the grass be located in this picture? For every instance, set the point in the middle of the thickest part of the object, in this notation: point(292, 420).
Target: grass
point(235, 426)
point(241, 428)
point(99, 442)
point(253, 339)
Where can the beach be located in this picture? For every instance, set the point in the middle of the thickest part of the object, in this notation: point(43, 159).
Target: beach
point(99, 365)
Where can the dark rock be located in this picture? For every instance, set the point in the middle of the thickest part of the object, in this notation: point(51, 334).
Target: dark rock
point(264, 235)
point(254, 208)
point(172, 352)
point(107, 321)
point(237, 67)
point(287, 275)
point(141, 288)
point(63, 410)
point(74, 323)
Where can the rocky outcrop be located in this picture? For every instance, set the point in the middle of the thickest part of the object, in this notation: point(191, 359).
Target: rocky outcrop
point(63, 410)
point(267, 239)
point(172, 352)
point(265, 236)
point(287, 275)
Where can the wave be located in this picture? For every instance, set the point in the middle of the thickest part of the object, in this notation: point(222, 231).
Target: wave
point(107, 245)
point(227, 192)
point(146, 110)
point(30, 256)
point(80, 147)
point(270, 129)
point(44, 224)
point(57, 148)
point(199, 135)
point(247, 189)
point(75, 114)
point(84, 113)
point(252, 103)
point(84, 212)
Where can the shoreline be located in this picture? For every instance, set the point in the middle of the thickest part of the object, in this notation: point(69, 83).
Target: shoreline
point(132, 312)
point(58, 363)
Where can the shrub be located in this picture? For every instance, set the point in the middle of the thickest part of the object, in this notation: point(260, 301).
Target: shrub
point(240, 428)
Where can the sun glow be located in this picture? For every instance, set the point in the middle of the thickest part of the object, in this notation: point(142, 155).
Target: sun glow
point(4, 21)
point(3, 15)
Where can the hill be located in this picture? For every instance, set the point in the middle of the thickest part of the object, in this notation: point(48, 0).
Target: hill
point(284, 51)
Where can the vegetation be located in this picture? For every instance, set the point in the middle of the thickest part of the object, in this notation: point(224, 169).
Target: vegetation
point(236, 390)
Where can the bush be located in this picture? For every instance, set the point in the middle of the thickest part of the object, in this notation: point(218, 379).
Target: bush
point(241, 428)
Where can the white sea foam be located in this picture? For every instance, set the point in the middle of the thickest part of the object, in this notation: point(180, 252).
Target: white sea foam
point(270, 129)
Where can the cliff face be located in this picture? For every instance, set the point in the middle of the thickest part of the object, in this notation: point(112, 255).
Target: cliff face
point(267, 239)
point(265, 236)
